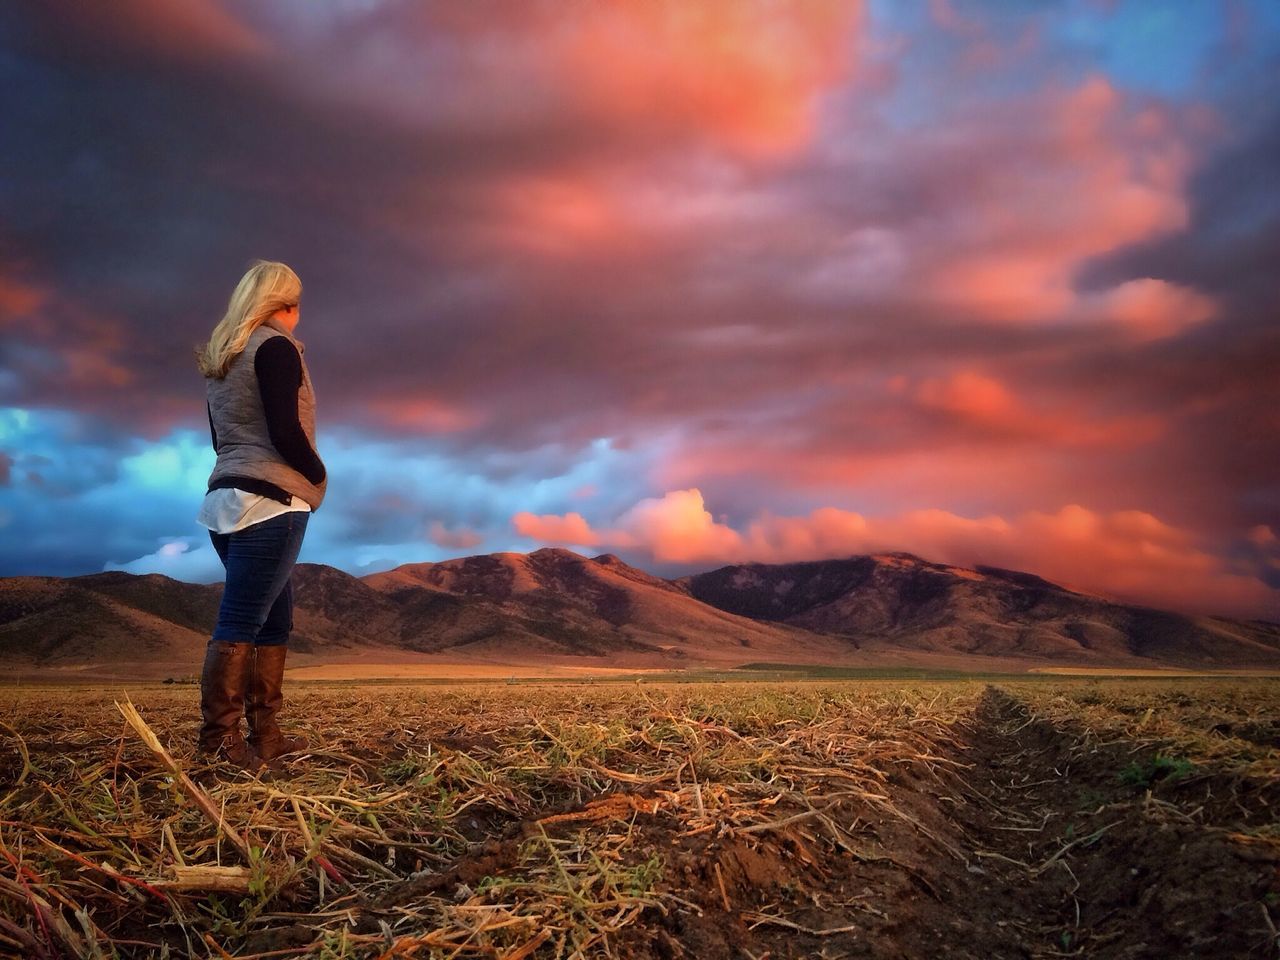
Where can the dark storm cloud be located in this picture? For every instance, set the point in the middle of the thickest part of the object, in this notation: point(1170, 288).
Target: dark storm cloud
point(1221, 380)
point(148, 177)
point(945, 257)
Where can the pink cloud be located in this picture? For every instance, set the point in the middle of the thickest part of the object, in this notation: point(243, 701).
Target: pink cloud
point(990, 435)
point(744, 73)
point(191, 31)
point(1125, 554)
point(1154, 309)
point(458, 539)
point(970, 395)
point(974, 400)
point(1262, 535)
point(554, 216)
point(67, 351)
point(1096, 175)
point(19, 298)
point(945, 15)
point(677, 528)
point(741, 76)
point(421, 414)
point(572, 528)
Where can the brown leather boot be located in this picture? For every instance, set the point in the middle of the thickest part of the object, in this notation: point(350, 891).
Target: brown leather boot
point(223, 685)
point(265, 697)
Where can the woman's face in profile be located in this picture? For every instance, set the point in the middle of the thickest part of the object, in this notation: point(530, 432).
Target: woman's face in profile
point(289, 316)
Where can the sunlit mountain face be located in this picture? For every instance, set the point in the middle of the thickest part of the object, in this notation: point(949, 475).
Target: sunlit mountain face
point(693, 284)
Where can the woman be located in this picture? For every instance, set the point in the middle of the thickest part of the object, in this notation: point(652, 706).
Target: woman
point(266, 482)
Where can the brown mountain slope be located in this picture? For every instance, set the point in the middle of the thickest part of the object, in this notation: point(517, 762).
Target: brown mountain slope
point(553, 604)
point(399, 609)
point(904, 602)
point(507, 607)
point(559, 601)
point(69, 623)
point(190, 605)
point(333, 610)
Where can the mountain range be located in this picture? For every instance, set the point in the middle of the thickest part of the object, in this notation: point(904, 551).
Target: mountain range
point(556, 606)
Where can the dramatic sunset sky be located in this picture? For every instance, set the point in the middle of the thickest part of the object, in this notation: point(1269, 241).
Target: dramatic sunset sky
point(690, 282)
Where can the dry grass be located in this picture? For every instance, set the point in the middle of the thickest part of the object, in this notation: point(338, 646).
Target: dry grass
point(1225, 722)
point(487, 820)
point(408, 782)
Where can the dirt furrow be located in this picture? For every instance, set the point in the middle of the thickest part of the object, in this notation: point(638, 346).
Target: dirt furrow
point(1092, 859)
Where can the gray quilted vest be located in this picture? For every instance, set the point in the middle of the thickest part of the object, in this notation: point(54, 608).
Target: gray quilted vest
point(244, 446)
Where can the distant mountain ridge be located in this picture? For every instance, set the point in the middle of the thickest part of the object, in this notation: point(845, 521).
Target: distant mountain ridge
point(899, 600)
point(554, 603)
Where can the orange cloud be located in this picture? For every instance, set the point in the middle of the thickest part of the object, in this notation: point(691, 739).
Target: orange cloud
point(89, 367)
point(192, 30)
point(552, 216)
point(971, 399)
point(1102, 177)
point(968, 394)
point(746, 73)
point(742, 76)
point(1127, 554)
point(1153, 309)
point(72, 351)
point(459, 539)
point(739, 74)
point(677, 528)
point(1262, 535)
point(572, 528)
point(426, 414)
point(18, 298)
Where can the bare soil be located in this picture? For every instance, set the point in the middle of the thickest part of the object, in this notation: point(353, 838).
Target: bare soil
point(1020, 840)
point(1038, 848)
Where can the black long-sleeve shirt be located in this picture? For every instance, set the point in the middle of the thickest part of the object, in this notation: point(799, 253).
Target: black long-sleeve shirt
point(279, 371)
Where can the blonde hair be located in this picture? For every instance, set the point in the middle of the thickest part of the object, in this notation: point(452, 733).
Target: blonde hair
point(266, 287)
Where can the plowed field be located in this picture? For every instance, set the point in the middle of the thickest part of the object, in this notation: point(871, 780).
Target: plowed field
point(1046, 818)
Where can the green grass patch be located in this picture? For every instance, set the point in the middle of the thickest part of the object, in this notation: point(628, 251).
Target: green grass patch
point(1160, 767)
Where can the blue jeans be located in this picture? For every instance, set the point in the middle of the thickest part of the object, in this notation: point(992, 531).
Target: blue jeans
point(257, 604)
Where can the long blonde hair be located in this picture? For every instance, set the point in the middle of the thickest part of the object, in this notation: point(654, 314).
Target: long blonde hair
point(266, 286)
